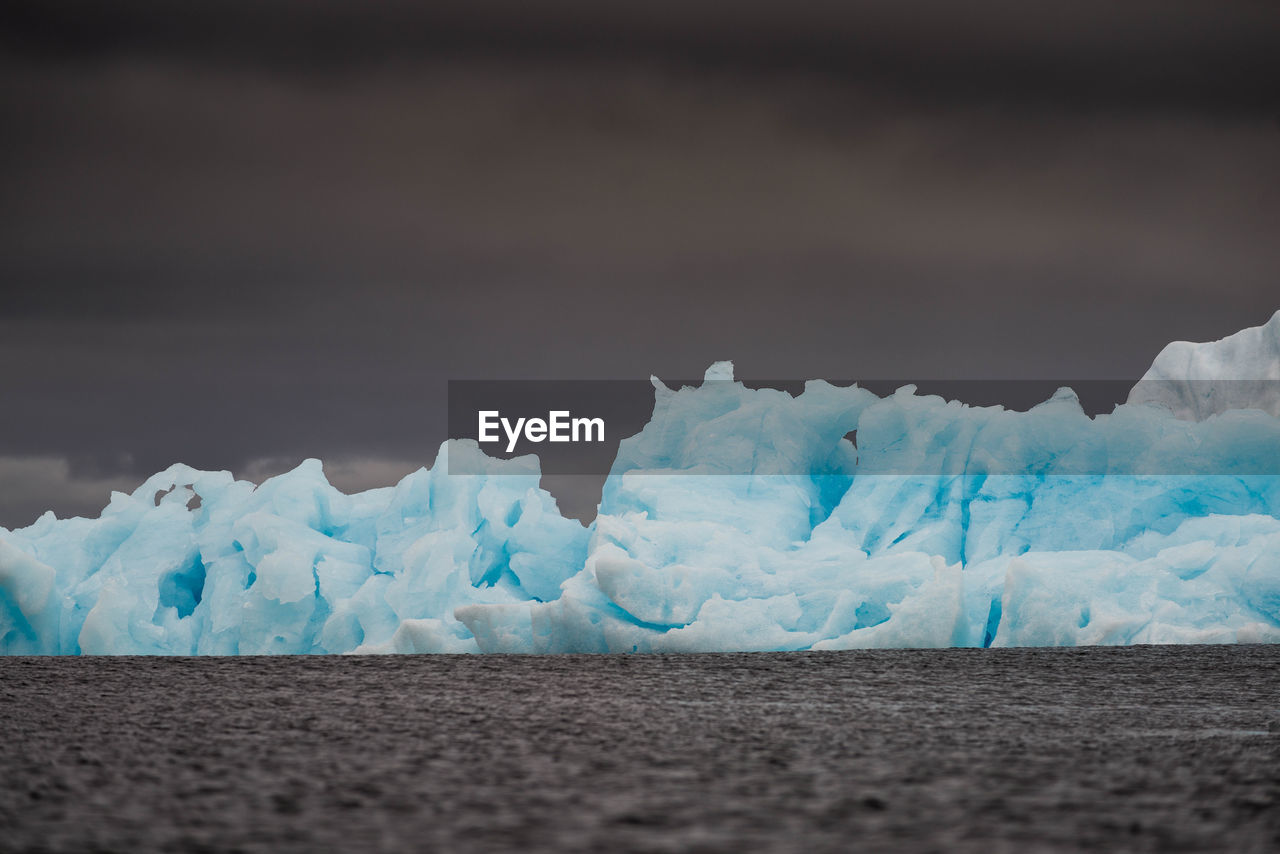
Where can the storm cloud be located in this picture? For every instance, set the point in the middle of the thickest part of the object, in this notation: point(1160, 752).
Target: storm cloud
point(239, 234)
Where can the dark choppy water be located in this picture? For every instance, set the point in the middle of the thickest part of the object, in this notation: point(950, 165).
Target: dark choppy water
point(1137, 749)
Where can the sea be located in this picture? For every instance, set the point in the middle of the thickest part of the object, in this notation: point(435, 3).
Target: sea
point(1169, 748)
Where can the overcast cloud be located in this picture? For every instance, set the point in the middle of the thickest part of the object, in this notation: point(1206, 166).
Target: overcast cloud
point(240, 234)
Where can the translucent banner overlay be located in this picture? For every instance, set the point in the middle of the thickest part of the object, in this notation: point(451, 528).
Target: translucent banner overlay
point(869, 427)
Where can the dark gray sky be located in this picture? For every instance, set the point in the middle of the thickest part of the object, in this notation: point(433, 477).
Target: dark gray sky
point(238, 234)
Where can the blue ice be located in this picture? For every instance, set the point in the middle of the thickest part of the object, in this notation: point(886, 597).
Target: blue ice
point(737, 519)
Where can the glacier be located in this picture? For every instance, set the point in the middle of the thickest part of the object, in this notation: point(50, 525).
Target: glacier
point(736, 519)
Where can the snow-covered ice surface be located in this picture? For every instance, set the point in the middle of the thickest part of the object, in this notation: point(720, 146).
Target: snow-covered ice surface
point(737, 519)
point(1198, 380)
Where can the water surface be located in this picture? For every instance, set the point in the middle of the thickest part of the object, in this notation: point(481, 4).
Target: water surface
point(1138, 748)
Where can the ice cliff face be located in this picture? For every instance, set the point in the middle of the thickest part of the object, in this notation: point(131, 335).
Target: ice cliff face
point(946, 525)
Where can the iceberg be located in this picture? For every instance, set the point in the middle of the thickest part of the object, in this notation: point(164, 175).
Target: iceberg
point(291, 566)
point(1132, 527)
point(736, 519)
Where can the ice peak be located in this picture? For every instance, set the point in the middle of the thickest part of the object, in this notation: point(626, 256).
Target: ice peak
point(1197, 380)
point(722, 370)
